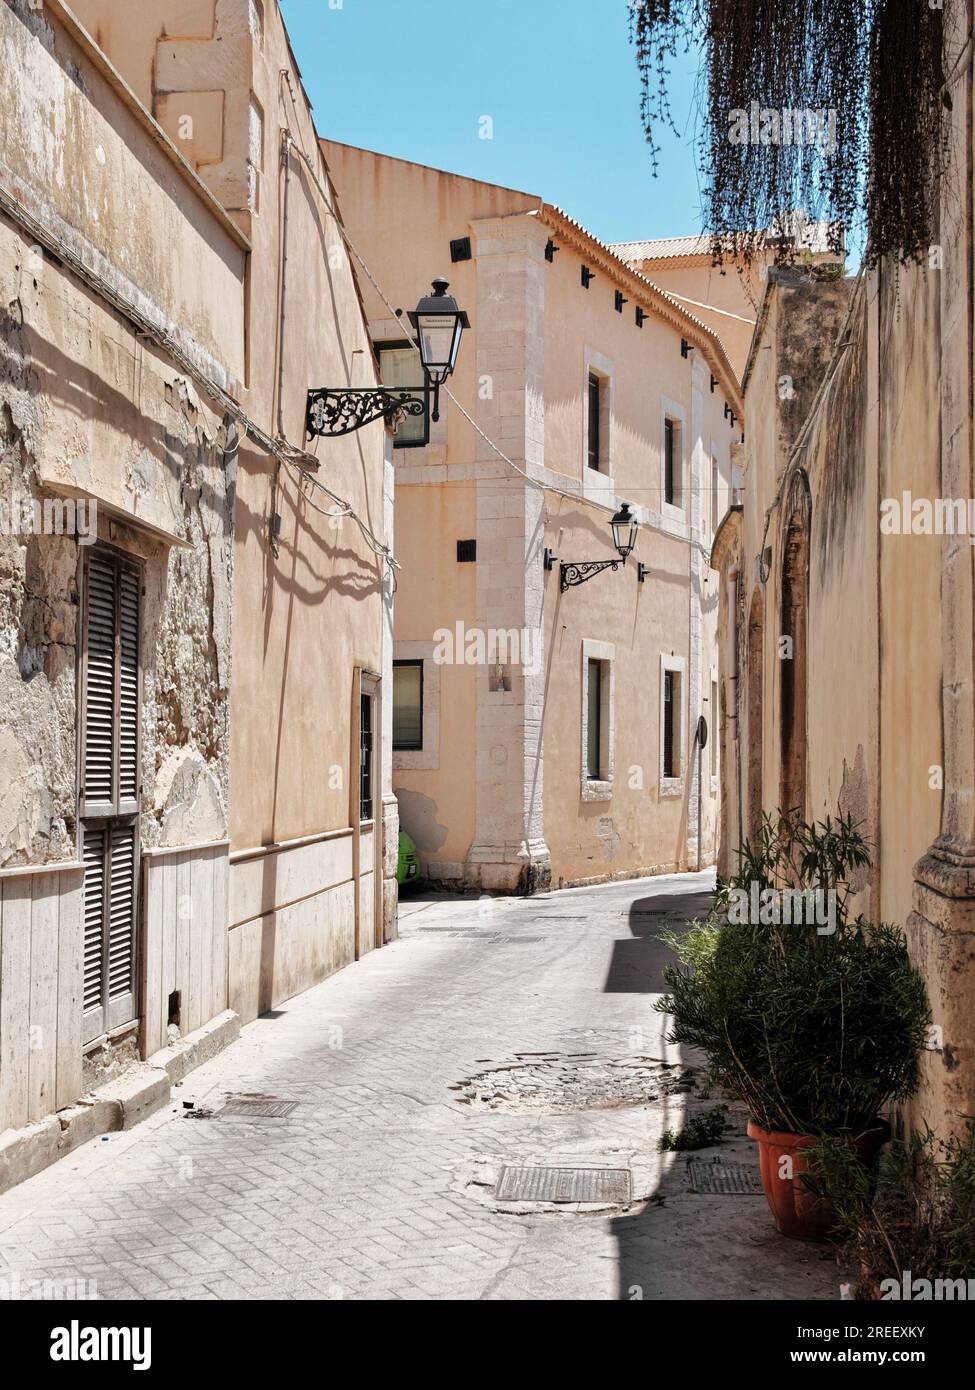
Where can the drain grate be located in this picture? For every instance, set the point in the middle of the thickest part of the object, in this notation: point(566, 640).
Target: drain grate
point(520, 1184)
point(717, 1179)
point(264, 1107)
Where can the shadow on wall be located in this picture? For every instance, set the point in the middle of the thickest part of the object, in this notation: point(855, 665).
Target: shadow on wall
point(418, 817)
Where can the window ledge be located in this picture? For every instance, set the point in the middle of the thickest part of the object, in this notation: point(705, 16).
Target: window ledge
point(671, 787)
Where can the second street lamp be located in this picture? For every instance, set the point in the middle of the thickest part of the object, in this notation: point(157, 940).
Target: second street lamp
point(439, 325)
point(624, 526)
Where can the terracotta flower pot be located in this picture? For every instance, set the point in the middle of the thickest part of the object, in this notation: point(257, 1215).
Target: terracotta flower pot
point(783, 1157)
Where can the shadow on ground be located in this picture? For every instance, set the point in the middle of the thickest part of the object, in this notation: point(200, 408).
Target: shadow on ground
point(637, 962)
point(683, 1244)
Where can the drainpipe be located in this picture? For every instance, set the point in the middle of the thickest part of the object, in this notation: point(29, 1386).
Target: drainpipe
point(700, 795)
point(733, 580)
point(286, 161)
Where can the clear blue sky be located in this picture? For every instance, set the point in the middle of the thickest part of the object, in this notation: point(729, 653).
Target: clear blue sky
point(412, 78)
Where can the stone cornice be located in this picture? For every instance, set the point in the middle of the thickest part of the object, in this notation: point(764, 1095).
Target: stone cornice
point(658, 301)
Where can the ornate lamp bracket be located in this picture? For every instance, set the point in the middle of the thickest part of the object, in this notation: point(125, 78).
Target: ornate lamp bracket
point(334, 413)
point(579, 572)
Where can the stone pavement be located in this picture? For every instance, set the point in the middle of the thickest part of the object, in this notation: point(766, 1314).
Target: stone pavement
point(504, 1031)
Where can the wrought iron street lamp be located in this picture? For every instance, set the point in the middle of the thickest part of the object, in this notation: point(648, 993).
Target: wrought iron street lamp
point(439, 326)
point(624, 526)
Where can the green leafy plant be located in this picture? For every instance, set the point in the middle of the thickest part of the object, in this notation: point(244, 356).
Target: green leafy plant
point(921, 1217)
point(699, 1133)
point(815, 1033)
point(875, 68)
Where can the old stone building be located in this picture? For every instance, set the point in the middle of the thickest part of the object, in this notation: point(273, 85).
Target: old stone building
point(547, 733)
point(175, 858)
point(847, 596)
point(724, 296)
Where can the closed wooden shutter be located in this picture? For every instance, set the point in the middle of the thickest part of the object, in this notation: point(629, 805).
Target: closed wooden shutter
point(110, 789)
point(128, 692)
point(93, 851)
point(120, 947)
point(99, 703)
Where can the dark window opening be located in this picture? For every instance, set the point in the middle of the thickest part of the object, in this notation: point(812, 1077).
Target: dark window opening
point(672, 758)
point(365, 758)
point(408, 705)
point(400, 367)
point(594, 721)
point(594, 421)
point(671, 477)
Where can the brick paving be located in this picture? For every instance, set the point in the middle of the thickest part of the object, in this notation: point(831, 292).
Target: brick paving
point(379, 1185)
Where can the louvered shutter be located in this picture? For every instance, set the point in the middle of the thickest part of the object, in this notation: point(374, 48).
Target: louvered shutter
point(98, 771)
point(120, 946)
point(128, 692)
point(95, 860)
point(110, 790)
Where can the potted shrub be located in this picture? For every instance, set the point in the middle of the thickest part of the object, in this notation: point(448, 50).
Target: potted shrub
point(817, 1024)
point(914, 1236)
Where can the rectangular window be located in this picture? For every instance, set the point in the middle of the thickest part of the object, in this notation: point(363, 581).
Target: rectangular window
point(365, 757)
point(400, 366)
point(672, 462)
point(595, 401)
point(672, 724)
point(109, 789)
point(715, 729)
point(715, 484)
point(594, 726)
point(408, 704)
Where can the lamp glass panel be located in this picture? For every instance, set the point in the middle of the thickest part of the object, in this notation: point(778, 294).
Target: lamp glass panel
point(436, 343)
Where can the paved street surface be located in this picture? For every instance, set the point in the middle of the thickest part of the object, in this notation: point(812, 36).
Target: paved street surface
point(499, 1032)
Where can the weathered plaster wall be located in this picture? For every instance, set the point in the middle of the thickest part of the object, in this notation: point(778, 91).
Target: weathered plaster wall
point(879, 633)
point(89, 409)
point(91, 412)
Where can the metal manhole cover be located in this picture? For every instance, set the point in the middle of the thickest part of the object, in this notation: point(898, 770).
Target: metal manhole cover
point(267, 1107)
point(607, 1185)
point(716, 1179)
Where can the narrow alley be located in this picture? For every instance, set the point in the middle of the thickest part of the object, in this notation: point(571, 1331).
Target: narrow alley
point(494, 1034)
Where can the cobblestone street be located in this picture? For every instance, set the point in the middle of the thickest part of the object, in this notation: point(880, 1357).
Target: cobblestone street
point(505, 1032)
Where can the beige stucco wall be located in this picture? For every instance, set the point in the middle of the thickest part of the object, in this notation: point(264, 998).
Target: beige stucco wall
point(875, 735)
point(725, 298)
point(522, 374)
point(152, 165)
point(106, 239)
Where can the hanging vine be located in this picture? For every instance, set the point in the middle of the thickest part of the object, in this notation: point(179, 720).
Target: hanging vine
point(834, 107)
